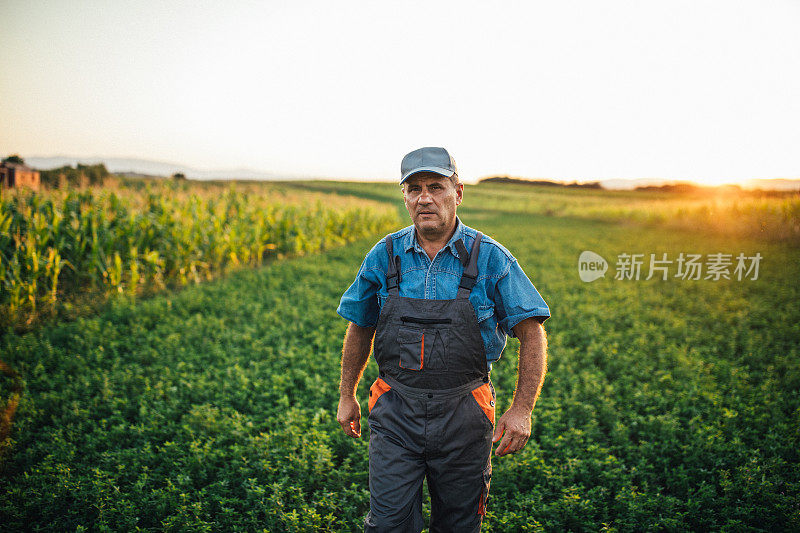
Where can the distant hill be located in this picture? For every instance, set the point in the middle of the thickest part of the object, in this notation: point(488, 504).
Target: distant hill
point(544, 183)
point(643, 183)
point(681, 187)
point(650, 184)
point(154, 168)
point(774, 184)
point(145, 167)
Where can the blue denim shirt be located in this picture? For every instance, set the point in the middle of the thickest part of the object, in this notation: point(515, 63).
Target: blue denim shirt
point(502, 297)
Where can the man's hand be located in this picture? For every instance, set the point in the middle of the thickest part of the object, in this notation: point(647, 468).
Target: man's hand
point(515, 424)
point(355, 354)
point(349, 416)
point(515, 428)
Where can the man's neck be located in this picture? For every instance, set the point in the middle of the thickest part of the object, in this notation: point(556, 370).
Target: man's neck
point(432, 244)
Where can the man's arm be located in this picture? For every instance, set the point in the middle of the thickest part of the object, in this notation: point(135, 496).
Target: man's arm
point(355, 355)
point(515, 424)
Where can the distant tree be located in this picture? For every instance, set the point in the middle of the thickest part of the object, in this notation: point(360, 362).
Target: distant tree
point(179, 176)
point(15, 158)
point(74, 177)
point(59, 177)
point(95, 174)
point(542, 183)
point(50, 178)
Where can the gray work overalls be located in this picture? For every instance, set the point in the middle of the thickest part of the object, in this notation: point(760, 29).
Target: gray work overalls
point(431, 411)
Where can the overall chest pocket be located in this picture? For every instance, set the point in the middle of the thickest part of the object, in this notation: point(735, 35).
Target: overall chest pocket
point(421, 343)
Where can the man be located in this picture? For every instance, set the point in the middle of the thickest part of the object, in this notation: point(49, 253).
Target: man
point(439, 299)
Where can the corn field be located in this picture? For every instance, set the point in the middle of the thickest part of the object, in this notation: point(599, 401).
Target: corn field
point(129, 238)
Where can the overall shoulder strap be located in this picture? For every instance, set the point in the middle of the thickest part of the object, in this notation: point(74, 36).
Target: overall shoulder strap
point(470, 274)
point(463, 254)
point(393, 274)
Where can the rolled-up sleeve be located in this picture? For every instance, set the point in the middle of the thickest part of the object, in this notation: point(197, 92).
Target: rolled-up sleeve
point(517, 299)
point(359, 303)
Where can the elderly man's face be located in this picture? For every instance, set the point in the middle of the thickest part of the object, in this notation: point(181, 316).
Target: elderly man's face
point(431, 201)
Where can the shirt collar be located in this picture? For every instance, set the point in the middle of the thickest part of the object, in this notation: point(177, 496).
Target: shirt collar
point(410, 240)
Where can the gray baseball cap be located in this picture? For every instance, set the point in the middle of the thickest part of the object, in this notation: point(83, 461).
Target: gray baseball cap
point(428, 159)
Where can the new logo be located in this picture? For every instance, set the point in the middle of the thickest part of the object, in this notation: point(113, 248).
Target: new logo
point(591, 266)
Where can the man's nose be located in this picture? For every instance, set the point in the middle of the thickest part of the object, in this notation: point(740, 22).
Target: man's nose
point(425, 196)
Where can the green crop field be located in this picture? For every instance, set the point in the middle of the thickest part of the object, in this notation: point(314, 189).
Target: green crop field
point(669, 404)
point(136, 236)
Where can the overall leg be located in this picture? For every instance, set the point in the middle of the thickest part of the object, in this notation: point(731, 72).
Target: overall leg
point(460, 473)
point(396, 468)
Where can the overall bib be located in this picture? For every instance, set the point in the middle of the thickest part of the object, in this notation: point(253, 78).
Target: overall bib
point(431, 411)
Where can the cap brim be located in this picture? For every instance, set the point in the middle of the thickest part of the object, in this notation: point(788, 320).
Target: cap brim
point(437, 170)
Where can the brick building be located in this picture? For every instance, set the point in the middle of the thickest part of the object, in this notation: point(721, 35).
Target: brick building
point(16, 175)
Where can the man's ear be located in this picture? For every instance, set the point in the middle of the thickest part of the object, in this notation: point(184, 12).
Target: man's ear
point(459, 193)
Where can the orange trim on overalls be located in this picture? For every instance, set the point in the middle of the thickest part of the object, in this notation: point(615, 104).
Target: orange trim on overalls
point(422, 352)
point(483, 395)
point(376, 391)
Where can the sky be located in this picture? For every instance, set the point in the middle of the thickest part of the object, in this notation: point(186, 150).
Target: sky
point(570, 90)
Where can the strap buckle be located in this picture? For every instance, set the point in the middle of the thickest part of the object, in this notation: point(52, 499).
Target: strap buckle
point(467, 281)
point(393, 279)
